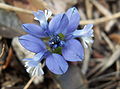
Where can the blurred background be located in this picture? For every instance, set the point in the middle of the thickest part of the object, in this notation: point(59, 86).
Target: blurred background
point(100, 68)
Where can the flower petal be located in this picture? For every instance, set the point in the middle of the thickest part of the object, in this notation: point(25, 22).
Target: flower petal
point(34, 29)
point(30, 69)
point(37, 71)
point(74, 18)
point(56, 64)
point(48, 13)
point(40, 16)
point(85, 34)
point(32, 43)
point(39, 56)
point(58, 23)
point(87, 41)
point(73, 51)
point(32, 63)
point(86, 31)
point(27, 59)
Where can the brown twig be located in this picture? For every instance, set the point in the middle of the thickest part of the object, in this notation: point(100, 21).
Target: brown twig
point(101, 20)
point(8, 59)
point(103, 76)
point(86, 61)
point(106, 38)
point(95, 69)
point(13, 8)
point(111, 86)
point(101, 8)
point(95, 21)
point(104, 85)
point(89, 8)
point(29, 82)
point(3, 50)
point(105, 12)
point(117, 68)
point(110, 61)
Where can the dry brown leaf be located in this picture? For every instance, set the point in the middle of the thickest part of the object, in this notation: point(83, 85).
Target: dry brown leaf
point(105, 11)
point(25, 18)
point(104, 3)
point(57, 6)
point(109, 62)
point(97, 55)
point(115, 37)
point(38, 4)
point(33, 5)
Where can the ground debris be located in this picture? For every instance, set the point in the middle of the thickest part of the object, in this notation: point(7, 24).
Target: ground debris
point(101, 66)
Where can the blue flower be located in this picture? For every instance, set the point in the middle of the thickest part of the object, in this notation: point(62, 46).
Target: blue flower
point(85, 34)
point(33, 65)
point(54, 41)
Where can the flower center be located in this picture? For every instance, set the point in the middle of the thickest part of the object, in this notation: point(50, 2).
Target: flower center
point(56, 42)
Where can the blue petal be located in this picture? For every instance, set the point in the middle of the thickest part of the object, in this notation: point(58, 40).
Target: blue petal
point(87, 41)
point(37, 71)
point(58, 23)
point(86, 31)
point(74, 18)
point(29, 62)
point(56, 64)
point(32, 43)
point(73, 51)
point(39, 56)
point(34, 29)
point(27, 59)
point(40, 15)
point(32, 63)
